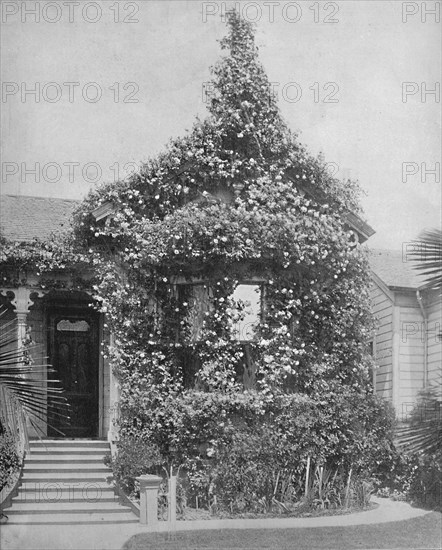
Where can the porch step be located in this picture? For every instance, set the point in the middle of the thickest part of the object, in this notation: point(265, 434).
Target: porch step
point(71, 458)
point(64, 476)
point(66, 442)
point(61, 451)
point(74, 444)
point(56, 490)
point(64, 482)
point(32, 468)
point(69, 495)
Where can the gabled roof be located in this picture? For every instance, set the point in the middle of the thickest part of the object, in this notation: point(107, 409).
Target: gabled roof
point(355, 222)
point(352, 220)
point(393, 269)
point(23, 218)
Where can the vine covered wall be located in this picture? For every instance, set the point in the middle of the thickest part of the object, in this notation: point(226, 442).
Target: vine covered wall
point(221, 207)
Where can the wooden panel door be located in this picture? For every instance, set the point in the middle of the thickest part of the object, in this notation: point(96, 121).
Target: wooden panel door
point(73, 353)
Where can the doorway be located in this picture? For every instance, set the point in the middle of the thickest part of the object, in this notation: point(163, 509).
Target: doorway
point(74, 355)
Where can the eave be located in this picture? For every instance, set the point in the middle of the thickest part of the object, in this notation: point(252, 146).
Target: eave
point(354, 222)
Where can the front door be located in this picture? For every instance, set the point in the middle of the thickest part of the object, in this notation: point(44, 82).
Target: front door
point(73, 354)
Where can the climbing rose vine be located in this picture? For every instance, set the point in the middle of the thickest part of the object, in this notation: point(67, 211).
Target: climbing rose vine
point(236, 200)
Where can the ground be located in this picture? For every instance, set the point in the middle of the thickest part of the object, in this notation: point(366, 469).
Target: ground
point(423, 532)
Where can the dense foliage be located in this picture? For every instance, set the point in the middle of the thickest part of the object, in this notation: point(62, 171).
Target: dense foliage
point(237, 200)
point(9, 458)
point(415, 470)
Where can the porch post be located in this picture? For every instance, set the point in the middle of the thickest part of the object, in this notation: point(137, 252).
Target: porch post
point(22, 301)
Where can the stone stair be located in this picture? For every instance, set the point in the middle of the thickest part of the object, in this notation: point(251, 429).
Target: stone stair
point(64, 482)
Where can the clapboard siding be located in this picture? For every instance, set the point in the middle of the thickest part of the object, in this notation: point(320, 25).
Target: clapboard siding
point(382, 309)
point(435, 344)
point(411, 353)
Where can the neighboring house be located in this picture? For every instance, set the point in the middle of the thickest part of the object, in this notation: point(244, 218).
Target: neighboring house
point(407, 346)
point(68, 332)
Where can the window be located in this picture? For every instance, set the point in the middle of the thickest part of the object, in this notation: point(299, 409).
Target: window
point(248, 303)
point(67, 325)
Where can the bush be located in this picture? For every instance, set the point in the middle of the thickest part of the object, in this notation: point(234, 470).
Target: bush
point(9, 458)
point(426, 484)
point(134, 458)
point(415, 472)
point(248, 452)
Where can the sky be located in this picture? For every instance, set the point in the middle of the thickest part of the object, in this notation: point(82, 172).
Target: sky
point(91, 89)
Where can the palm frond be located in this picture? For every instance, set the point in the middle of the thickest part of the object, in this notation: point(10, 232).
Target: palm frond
point(427, 257)
point(423, 430)
point(31, 385)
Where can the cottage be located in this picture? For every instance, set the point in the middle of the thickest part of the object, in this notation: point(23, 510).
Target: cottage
point(55, 310)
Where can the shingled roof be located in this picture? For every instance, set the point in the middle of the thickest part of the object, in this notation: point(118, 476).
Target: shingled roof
point(24, 218)
point(391, 266)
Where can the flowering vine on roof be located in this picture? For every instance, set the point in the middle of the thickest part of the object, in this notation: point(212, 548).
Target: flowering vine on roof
point(223, 205)
point(226, 205)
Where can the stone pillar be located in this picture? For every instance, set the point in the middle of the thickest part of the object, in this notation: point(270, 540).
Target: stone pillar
point(149, 486)
point(172, 500)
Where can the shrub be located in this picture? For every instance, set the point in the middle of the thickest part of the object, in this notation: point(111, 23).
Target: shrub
point(416, 468)
point(134, 458)
point(248, 452)
point(9, 458)
point(244, 451)
point(426, 484)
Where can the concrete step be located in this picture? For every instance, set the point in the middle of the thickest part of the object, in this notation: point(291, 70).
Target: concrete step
point(63, 477)
point(69, 519)
point(99, 443)
point(38, 499)
point(47, 451)
point(76, 507)
point(57, 486)
point(53, 492)
point(64, 459)
point(65, 467)
point(67, 497)
point(65, 482)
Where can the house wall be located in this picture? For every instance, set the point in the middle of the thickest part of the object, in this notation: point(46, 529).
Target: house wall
point(401, 342)
point(411, 352)
point(434, 344)
point(382, 308)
